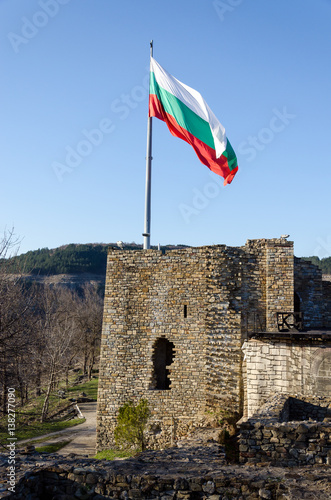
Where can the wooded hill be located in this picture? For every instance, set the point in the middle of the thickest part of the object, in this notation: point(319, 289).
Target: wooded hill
point(68, 259)
point(89, 258)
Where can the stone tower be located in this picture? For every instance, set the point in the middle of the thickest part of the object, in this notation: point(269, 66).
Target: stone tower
point(174, 327)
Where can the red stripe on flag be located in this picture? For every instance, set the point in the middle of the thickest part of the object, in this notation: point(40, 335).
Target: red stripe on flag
point(205, 153)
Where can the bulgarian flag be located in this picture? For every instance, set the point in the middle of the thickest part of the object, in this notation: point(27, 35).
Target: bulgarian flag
point(189, 117)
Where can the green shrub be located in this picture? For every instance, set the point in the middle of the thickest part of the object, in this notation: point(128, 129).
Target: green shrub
point(131, 424)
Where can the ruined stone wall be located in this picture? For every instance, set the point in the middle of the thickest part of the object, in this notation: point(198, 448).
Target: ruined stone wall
point(188, 297)
point(267, 287)
point(158, 475)
point(309, 289)
point(223, 328)
point(289, 367)
point(286, 367)
point(288, 431)
point(253, 287)
point(253, 299)
point(203, 302)
point(279, 280)
point(267, 283)
point(326, 289)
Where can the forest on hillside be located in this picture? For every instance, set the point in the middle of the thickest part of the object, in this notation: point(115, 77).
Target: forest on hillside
point(88, 258)
point(68, 259)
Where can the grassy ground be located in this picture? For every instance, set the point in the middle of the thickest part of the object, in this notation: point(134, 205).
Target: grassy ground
point(37, 429)
point(52, 447)
point(89, 388)
point(27, 424)
point(112, 454)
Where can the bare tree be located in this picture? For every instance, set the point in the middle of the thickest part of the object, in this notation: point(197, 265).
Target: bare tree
point(42, 331)
point(56, 332)
point(15, 326)
point(89, 323)
point(9, 244)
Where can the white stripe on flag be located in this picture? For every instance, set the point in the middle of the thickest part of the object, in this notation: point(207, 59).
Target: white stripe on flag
point(194, 101)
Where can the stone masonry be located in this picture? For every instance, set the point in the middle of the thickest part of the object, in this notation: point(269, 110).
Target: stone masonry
point(187, 298)
point(166, 475)
point(175, 324)
point(286, 367)
point(288, 431)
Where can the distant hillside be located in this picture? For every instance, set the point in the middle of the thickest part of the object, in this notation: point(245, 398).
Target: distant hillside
point(68, 259)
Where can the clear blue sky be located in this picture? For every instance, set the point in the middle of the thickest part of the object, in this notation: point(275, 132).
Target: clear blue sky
point(70, 67)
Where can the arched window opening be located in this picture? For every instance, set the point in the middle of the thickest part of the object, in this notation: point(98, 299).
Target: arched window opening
point(162, 358)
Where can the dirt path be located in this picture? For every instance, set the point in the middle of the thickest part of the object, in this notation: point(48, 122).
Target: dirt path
point(82, 436)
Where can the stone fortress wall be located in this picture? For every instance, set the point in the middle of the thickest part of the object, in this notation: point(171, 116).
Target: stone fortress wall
point(178, 329)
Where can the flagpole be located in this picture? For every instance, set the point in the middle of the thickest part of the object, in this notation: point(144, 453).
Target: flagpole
point(147, 225)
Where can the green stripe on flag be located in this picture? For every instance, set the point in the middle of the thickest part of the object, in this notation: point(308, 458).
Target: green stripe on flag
point(184, 116)
point(231, 156)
